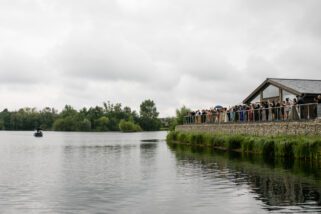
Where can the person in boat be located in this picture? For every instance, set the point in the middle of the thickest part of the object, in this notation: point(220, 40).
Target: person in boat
point(38, 132)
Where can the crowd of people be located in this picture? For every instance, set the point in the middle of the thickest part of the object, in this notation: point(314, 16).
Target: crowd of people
point(261, 111)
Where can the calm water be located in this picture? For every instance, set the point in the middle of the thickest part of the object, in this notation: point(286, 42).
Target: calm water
point(140, 173)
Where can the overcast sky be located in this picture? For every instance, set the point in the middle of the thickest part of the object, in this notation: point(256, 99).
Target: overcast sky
point(175, 52)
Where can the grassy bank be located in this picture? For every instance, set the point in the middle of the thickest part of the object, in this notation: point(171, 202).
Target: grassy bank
point(301, 147)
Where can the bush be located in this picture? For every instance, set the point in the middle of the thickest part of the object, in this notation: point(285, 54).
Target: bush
point(102, 123)
point(171, 136)
point(182, 137)
point(129, 126)
point(66, 124)
point(85, 125)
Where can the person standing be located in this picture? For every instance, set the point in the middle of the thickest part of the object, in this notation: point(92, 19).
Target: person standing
point(295, 114)
point(278, 110)
point(270, 110)
point(318, 106)
point(288, 109)
point(301, 107)
point(283, 110)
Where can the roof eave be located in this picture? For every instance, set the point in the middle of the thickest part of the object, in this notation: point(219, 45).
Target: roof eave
point(255, 92)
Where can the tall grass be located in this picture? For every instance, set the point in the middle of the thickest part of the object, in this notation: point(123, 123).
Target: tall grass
point(301, 147)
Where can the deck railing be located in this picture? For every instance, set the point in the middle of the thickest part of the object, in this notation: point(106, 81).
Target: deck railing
point(309, 111)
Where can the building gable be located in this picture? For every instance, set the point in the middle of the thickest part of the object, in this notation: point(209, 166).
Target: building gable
point(292, 86)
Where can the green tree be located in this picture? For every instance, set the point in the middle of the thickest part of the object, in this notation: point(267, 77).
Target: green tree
point(102, 124)
point(68, 120)
point(179, 119)
point(105, 118)
point(84, 125)
point(68, 111)
point(168, 123)
point(47, 117)
point(1, 124)
point(149, 116)
point(148, 109)
point(5, 115)
point(181, 113)
point(68, 123)
point(93, 114)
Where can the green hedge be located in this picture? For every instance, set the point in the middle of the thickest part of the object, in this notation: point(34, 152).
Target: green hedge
point(303, 147)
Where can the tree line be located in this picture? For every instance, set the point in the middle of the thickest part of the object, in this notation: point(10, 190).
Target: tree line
point(108, 117)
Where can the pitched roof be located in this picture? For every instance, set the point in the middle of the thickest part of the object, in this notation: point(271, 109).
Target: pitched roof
point(302, 86)
point(295, 86)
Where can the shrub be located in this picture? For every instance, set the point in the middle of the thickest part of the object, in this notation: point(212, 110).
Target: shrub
point(84, 125)
point(171, 136)
point(182, 137)
point(102, 124)
point(129, 126)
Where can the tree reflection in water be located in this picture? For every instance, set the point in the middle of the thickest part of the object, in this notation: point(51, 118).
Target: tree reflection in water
point(278, 182)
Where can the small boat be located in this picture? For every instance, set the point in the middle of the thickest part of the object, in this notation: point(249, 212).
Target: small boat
point(38, 133)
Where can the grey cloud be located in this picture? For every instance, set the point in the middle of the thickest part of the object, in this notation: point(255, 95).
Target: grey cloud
point(103, 57)
point(260, 68)
point(174, 51)
point(19, 68)
point(301, 60)
point(206, 66)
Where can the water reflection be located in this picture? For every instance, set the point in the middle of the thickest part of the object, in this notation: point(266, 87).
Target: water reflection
point(148, 150)
point(132, 173)
point(147, 147)
point(290, 186)
point(150, 140)
point(148, 155)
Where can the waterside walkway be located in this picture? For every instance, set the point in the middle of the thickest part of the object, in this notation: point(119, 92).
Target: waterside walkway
point(256, 113)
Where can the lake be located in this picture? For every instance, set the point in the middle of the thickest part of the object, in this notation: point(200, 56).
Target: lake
point(141, 173)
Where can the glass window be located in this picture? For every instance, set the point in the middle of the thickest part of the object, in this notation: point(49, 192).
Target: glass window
point(271, 91)
point(256, 99)
point(287, 94)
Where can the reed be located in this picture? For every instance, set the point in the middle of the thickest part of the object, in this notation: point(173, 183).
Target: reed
point(301, 147)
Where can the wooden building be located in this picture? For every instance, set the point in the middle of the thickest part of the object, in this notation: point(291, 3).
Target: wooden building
point(280, 89)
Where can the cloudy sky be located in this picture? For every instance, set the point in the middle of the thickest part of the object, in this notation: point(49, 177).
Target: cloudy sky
point(176, 52)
